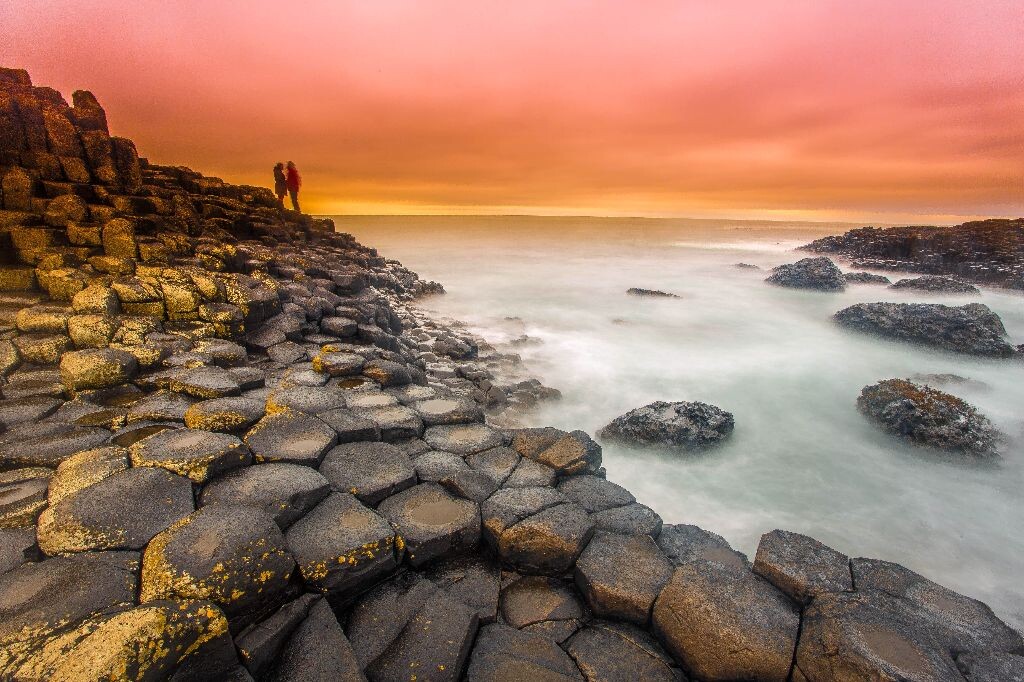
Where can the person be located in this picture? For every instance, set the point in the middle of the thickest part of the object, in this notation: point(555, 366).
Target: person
point(294, 182)
point(280, 184)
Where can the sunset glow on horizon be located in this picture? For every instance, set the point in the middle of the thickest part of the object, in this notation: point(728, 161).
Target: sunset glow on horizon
point(798, 109)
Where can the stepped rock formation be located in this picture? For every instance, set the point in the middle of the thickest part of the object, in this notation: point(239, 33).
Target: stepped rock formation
point(232, 448)
point(987, 251)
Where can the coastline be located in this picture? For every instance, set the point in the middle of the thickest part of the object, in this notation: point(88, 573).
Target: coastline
point(236, 438)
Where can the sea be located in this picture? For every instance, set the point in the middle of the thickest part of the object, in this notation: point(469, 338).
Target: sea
point(801, 458)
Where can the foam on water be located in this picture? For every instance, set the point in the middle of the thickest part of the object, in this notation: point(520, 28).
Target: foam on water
point(801, 457)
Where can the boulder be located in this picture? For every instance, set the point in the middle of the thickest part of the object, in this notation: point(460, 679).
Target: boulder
point(284, 491)
point(684, 425)
point(809, 273)
point(121, 511)
point(432, 522)
point(342, 546)
point(801, 567)
point(618, 651)
point(290, 436)
point(233, 555)
point(370, 471)
point(502, 653)
point(621, 576)
point(199, 455)
point(653, 293)
point(928, 416)
point(97, 368)
point(971, 328)
point(936, 283)
point(865, 278)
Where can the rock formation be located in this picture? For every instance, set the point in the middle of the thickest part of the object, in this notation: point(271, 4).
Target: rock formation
point(971, 328)
point(987, 251)
point(653, 293)
point(809, 273)
point(684, 425)
point(232, 448)
point(927, 416)
point(936, 283)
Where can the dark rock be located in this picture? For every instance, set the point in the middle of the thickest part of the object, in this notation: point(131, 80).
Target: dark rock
point(472, 485)
point(162, 405)
point(22, 495)
point(992, 667)
point(927, 416)
point(632, 519)
point(438, 411)
point(370, 471)
point(595, 494)
point(387, 373)
point(502, 653)
point(205, 383)
point(433, 465)
point(687, 425)
point(290, 436)
point(971, 328)
point(497, 463)
point(528, 474)
point(311, 400)
point(199, 455)
point(284, 491)
point(234, 413)
point(621, 576)
point(536, 599)
point(27, 409)
point(865, 278)
point(654, 293)
point(617, 652)
point(396, 422)
point(470, 580)
point(39, 600)
point(432, 522)
point(18, 547)
point(260, 644)
point(350, 426)
point(96, 368)
point(342, 546)
point(121, 511)
point(801, 566)
point(567, 453)
point(809, 273)
point(317, 652)
point(463, 439)
point(232, 555)
point(949, 285)
point(339, 364)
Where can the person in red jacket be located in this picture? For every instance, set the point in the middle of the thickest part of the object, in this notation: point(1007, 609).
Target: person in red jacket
point(294, 182)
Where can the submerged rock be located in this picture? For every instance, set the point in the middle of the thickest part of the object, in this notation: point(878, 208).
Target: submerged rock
point(809, 273)
point(687, 425)
point(653, 293)
point(865, 278)
point(971, 328)
point(927, 416)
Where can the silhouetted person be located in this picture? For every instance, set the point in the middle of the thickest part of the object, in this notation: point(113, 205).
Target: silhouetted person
point(280, 184)
point(294, 182)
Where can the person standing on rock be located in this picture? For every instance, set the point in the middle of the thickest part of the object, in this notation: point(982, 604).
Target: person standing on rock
point(294, 182)
point(280, 184)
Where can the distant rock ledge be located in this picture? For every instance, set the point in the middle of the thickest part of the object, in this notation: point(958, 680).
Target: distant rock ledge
point(232, 448)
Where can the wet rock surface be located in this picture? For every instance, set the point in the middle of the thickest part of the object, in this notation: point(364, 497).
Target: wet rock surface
point(971, 328)
point(947, 285)
point(928, 416)
point(684, 425)
point(809, 273)
point(233, 448)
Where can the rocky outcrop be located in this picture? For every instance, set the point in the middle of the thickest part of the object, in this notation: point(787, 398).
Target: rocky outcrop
point(865, 278)
point(938, 284)
point(927, 416)
point(809, 273)
point(972, 328)
point(684, 425)
point(652, 293)
point(988, 251)
point(232, 448)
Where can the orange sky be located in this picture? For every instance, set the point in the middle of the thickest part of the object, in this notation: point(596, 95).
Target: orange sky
point(869, 110)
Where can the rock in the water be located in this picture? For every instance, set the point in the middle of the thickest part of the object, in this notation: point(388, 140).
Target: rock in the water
point(686, 425)
point(232, 555)
point(809, 273)
point(948, 285)
point(865, 278)
point(200, 455)
point(927, 416)
point(653, 293)
point(370, 471)
point(801, 566)
point(342, 546)
point(121, 511)
point(971, 328)
point(621, 576)
point(285, 491)
point(432, 522)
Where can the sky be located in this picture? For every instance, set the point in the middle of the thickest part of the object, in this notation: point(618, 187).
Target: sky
point(875, 110)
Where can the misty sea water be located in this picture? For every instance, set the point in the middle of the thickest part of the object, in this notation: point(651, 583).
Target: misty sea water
point(801, 457)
